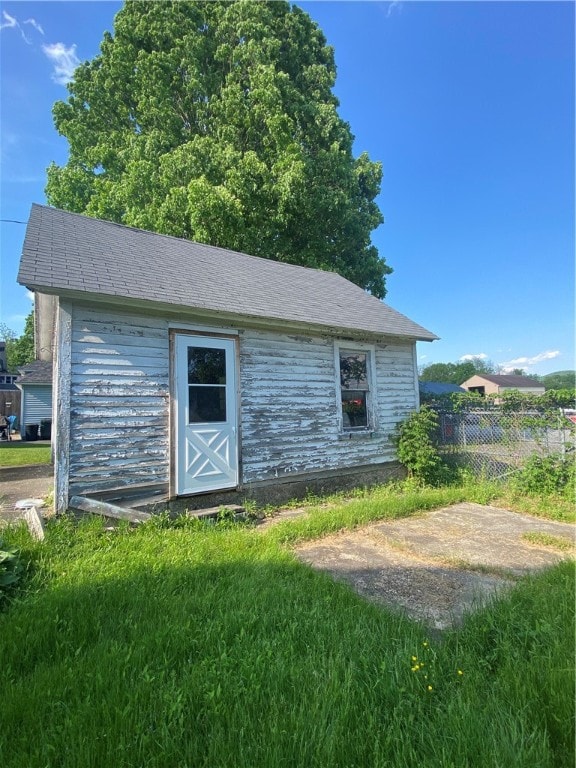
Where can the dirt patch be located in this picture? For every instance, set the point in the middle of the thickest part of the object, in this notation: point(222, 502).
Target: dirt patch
point(438, 567)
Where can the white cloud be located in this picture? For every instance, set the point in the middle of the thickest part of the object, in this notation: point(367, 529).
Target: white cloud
point(395, 5)
point(64, 59)
point(527, 362)
point(11, 22)
point(35, 24)
point(30, 295)
point(480, 356)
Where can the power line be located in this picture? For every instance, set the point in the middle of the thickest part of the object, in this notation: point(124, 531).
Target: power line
point(12, 221)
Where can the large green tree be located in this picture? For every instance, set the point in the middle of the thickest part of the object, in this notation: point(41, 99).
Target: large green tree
point(456, 373)
point(559, 380)
point(19, 349)
point(216, 121)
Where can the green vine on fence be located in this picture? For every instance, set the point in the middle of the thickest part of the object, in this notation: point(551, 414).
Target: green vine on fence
point(519, 420)
point(512, 401)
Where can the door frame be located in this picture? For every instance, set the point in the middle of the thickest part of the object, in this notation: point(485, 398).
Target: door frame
point(207, 332)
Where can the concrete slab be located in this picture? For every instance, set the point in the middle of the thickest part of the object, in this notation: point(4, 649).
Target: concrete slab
point(438, 567)
point(18, 483)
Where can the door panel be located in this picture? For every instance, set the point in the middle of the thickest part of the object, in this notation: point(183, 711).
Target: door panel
point(206, 414)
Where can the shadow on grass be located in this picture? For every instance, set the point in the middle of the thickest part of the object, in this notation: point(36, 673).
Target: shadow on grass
point(223, 664)
point(220, 650)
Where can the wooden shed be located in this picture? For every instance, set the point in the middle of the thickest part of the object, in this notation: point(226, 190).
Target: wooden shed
point(183, 369)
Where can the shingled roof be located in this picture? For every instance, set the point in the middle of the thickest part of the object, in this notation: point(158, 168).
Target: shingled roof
point(37, 372)
point(510, 380)
point(68, 253)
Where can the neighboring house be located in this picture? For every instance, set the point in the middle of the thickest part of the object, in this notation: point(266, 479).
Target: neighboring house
point(10, 397)
point(189, 369)
point(35, 384)
point(493, 384)
point(438, 388)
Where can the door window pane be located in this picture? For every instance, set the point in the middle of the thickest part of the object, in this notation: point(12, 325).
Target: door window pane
point(206, 404)
point(206, 366)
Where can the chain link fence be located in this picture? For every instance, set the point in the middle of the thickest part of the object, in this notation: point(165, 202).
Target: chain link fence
point(493, 443)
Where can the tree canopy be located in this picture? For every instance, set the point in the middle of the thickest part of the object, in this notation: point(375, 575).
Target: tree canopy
point(216, 122)
point(19, 349)
point(456, 373)
point(559, 380)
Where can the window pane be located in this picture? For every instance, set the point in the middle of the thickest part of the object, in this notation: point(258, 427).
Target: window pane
point(206, 366)
point(206, 404)
point(354, 411)
point(353, 370)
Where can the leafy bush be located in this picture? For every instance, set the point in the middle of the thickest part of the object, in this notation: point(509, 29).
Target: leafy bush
point(10, 569)
point(547, 475)
point(416, 440)
point(513, 401)
point(549, 402)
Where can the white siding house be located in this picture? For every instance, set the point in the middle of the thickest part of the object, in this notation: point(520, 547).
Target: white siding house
point(35, 383)
point(187, 370)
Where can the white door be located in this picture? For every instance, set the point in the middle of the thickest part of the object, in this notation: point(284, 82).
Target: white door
point(206, 417)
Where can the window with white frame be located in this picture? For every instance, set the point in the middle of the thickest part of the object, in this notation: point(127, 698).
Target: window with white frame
point(355, 367)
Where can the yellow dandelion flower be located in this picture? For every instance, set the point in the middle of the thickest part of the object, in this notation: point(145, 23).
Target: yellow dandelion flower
point(414, 658)
point(429, 688)
point(460, 672)
point(425, 645)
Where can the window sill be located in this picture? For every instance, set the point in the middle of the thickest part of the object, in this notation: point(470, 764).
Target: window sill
point(361, 434)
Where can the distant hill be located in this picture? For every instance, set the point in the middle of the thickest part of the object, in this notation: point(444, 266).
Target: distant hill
point(559, 380)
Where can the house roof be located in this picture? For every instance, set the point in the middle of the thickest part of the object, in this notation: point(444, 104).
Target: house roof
point(68, 253)
point(37, 372)
point(505, 380)
point(438, 388)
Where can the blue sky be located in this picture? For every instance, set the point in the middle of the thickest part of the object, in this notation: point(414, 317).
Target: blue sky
point(468, 105)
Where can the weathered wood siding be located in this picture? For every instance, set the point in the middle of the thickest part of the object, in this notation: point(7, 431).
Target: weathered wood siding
point(290, 412)
point(119, 401)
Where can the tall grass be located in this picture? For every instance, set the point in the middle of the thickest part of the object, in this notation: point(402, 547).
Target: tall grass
point(200, 646)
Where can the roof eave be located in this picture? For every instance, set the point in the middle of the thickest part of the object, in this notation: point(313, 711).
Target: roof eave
point(226, 317)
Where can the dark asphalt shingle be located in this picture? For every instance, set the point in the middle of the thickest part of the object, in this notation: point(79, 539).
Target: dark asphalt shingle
point(510, 380)
point(38, 372)
point(69, 251)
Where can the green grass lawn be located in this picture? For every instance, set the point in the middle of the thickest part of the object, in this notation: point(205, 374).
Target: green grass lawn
point(189, 645)
point(16, 453)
